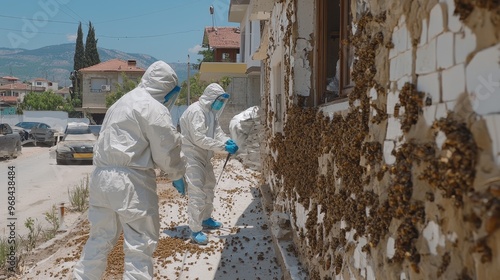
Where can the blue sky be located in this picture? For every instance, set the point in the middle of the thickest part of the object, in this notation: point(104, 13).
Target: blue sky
point(166, 29)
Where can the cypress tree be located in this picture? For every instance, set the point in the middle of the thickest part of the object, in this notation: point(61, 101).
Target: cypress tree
point(79, 58)
point(78, 63)
point(91, 54)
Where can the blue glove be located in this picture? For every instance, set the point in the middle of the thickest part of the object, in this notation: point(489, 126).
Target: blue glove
point(231, 148)
point(179, 186)
point(230, 141)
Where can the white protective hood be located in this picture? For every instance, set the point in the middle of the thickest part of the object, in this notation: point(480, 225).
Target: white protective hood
point(209, 95)
point(159, 79)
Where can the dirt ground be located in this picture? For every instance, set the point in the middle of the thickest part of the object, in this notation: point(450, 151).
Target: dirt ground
point(242, 249)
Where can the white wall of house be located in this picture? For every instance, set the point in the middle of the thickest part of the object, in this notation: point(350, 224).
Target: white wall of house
point(454, 64)
point(52, 86)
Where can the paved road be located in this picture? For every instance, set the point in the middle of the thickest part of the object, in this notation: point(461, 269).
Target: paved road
point(40, 183)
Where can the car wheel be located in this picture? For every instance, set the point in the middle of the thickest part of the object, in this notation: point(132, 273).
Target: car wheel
point(60, 162)
point(17, 150)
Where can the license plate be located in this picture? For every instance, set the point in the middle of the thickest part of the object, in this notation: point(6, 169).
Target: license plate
point(83, 155)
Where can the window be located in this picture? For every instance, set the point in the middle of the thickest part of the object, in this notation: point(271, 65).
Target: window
point(97, 83)
point(334, 52)
point(38, 83)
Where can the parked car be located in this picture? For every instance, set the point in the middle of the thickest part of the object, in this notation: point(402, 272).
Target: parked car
point(96, 129)
point(10, 142)
point(77, 145)
point(39, 132)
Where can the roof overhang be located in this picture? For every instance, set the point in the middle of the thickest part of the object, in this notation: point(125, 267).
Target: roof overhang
point(237, 10)
point(261, 52)
point(261, 9)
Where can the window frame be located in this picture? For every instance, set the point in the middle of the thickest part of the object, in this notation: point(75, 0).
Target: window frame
point(323, 34)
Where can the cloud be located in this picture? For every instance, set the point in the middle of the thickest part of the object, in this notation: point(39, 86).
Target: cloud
point(196, 49)
point(71, 37)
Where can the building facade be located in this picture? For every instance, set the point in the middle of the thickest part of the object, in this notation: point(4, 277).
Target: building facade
point(100, 79)
point(382, 143)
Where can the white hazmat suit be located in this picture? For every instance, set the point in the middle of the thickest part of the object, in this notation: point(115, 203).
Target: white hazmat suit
point(137, 136)
point(245, 130)
point(202, 136)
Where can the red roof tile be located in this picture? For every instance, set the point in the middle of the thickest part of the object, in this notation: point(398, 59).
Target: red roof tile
point(10, 78)
point(222, 37)
point(17, 86)
point(9, 99)
point(20, 86)
point(113, 65)
point(41, 80)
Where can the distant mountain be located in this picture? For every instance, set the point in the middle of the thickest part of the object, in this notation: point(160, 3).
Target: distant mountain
point(56, 62)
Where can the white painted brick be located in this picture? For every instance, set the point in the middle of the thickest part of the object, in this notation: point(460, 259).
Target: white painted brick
point(373, 94)
point(465, 43)
point(407, 62)
point(450, 105)
point(426, 58)
point(393, 129)
point(445, 46)
point(441, 111)
point(388, 147)
point(402, 39)
point(429, 113)
point(483, 81)
point(403, 80)
point(393, 71)
point(400, 66)
point(402, 21)
point(437, 20)
point(423, 35)
point(454, 23)
point(493, 125)
point(392, 99)
point(430, 85)
point(394, 51)
point(453, 82)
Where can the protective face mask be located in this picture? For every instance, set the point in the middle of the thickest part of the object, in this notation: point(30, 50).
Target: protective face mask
point(217, 105)
point(171, 97)
point(220, 101)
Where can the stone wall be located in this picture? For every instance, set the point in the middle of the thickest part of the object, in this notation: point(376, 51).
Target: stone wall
point(405, 182)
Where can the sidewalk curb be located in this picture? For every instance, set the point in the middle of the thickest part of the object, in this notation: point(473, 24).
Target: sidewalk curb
point(290, 264)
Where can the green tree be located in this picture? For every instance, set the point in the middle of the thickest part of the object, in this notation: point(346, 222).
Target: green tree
point(127, 85)
point(78, 63)
point(208, 56)
point(91, 53)
point(79, 58)
point(45, 101)
point(197, 87)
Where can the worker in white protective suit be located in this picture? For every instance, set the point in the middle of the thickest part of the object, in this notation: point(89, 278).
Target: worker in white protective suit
point(239, 130)
point(202, 136)
point(244, 129)
point(136, 137)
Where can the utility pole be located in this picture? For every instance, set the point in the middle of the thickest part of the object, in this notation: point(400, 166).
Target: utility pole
point(212, 13)
point(188, 83)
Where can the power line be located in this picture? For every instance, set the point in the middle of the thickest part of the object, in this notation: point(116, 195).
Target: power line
point(148, 36)
point(42, 32)
point(115, 37)
point(71, 16)
point(48, 20)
